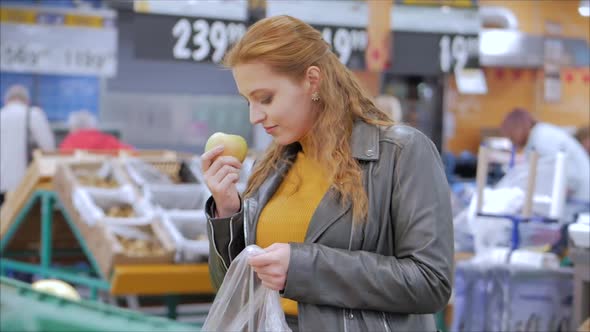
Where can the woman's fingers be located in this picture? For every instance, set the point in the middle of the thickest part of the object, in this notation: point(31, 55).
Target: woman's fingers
point(208, 157)
point(220, 162)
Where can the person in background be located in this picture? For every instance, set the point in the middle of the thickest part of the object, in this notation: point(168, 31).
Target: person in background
point(527, 134)
point(583, 136)
point(21, 127)
point(391, 106)
point(85, 136)
point(352, 210)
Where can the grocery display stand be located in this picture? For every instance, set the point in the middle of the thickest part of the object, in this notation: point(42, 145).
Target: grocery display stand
point(25, 309)
point(158, 279)
point(38, 236)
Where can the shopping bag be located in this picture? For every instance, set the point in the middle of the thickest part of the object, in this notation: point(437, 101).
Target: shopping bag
point(242, 303)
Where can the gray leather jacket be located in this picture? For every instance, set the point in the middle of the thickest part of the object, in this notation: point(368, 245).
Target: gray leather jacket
point(390, 273)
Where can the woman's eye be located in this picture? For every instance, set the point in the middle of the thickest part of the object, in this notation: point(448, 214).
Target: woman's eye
point(266, 101)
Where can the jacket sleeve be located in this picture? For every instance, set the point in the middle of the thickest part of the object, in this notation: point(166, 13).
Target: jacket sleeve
point(417, 278)
point(226, 241)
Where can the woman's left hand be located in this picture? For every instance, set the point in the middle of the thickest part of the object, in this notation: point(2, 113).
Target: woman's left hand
point(272, 266)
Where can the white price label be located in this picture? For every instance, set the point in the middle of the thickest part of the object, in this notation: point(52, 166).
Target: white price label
point(345, 41)
point(456, 51)
point(204, 39)
point(58, 50)
point(36, 58)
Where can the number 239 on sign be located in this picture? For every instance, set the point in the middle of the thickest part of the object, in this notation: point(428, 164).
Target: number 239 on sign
point(202, 40)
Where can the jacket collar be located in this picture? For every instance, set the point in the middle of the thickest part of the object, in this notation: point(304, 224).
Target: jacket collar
point(364, 145)
point(365, 141)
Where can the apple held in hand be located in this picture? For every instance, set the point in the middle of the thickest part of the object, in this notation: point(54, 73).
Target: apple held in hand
point(56, 287)
point(233, 145)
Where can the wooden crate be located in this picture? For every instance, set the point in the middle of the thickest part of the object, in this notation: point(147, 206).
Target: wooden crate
point(109, 252)
point(39, 176)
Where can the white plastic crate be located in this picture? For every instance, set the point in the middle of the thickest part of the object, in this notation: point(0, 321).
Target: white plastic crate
point(188, 229)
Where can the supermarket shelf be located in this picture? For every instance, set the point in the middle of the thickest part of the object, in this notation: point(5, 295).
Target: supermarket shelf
point(24, 309)
point(161, 279)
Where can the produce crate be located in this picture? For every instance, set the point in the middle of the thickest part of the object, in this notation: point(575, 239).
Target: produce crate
point(26, 310)
point(159, 171)
point(189, 232)
point(109, 250)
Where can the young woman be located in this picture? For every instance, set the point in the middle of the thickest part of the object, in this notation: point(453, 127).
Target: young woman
point(353, 211)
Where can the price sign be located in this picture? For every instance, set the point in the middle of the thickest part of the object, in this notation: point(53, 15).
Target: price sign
point(185, 38)
point(416, 53)
point(58, 50)
point(456, 51)
point(348, 43)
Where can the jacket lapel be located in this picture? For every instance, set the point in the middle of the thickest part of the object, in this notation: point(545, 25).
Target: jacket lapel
point(365, 147)
point(328, 212)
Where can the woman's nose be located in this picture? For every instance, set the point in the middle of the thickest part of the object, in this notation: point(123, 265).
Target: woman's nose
point(256, 116)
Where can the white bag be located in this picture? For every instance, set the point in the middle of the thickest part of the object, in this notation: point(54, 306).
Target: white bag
point(242, 303)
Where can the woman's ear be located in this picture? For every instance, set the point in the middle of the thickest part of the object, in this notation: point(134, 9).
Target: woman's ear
point(313, 77)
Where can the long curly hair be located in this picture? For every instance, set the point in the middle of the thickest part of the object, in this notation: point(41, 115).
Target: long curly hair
point(290, 46)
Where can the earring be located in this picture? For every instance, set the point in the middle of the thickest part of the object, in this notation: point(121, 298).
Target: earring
point(315, 96)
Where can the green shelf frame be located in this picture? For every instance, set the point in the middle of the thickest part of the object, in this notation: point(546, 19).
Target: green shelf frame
point(49, 200)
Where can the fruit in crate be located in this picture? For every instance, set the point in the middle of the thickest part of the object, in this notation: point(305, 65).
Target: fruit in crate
point(121, 211)
point(141, 248)
point(201, 237)
point(234, 145)
point(57, 288)
point(92, 180)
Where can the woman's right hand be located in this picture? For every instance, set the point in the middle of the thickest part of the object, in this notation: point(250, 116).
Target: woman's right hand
point(221, 175)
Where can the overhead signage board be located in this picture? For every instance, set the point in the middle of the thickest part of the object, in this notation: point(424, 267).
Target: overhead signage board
point(233, 10)
point(416, 53)
point(345, 28)
point(58, 41)
point(182, 38)
point(434, 3)
point(188, 30)
point(45, 49)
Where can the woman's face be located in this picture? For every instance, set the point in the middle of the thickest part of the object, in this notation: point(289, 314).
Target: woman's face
point(279, 104)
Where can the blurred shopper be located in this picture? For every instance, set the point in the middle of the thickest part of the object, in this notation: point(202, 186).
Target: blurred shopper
point(353, 211)
point(583, 136)
point(526, 133)
point(85, 136)
point(391, 106)
point(22, 129)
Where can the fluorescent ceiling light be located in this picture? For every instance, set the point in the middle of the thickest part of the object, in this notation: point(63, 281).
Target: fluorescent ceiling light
point(584, 8)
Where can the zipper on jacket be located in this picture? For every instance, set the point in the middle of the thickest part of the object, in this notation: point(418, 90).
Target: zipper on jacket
point(231, 238)
point(387, 329)
point(215, 247)
point(245, 218)
point(344, 320)
point(347, 312)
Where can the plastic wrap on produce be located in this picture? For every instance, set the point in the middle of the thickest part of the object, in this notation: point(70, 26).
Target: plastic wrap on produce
point(177, 196)
point(242, 303)
point(469, 307)
point(188, 229)
point(502, 297)
point(143, 173)
point(116, 208)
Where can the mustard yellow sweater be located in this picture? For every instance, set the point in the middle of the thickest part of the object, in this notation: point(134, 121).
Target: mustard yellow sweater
point(287, 214)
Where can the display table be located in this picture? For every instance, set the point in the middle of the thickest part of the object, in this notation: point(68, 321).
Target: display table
point(581, 259)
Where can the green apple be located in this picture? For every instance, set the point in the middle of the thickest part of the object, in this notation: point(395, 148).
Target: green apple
point(233, 145)
point(57, 288)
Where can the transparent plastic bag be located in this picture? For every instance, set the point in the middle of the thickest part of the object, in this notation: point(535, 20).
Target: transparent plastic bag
point(242, 303)
point(143, 173)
